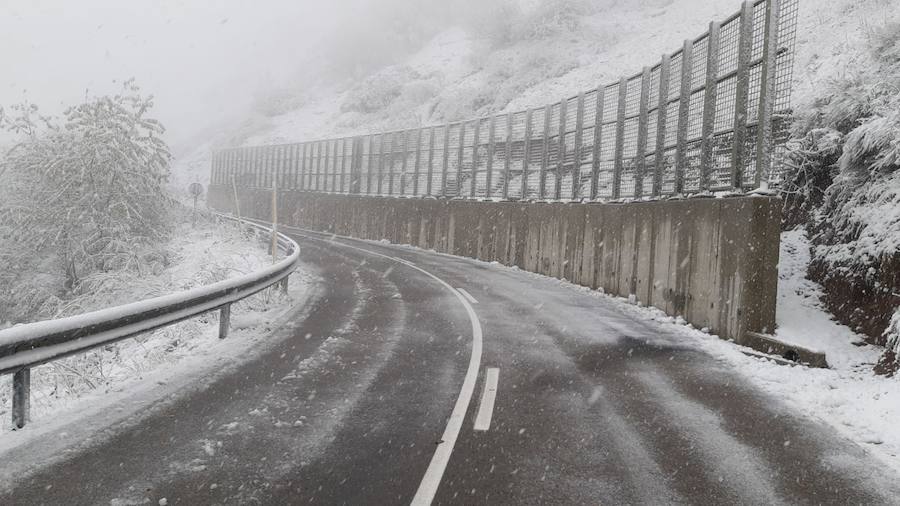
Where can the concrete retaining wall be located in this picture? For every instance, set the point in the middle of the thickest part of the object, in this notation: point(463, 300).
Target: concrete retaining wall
point(711, 261)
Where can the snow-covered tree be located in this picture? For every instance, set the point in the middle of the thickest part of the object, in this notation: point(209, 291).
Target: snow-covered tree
point(86, 189)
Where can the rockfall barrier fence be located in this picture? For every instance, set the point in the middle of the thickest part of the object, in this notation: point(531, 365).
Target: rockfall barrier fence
point(708, 118)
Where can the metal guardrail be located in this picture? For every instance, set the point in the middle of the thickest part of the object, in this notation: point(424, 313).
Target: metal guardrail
point(25, 346)
point(709, 117)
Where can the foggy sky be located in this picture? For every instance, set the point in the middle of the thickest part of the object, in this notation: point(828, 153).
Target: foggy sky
point(201, 59)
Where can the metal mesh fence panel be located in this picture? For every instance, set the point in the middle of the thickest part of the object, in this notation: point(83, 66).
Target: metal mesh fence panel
point(712, 116)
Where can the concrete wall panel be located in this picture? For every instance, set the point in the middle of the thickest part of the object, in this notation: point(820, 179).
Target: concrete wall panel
point(711, 261)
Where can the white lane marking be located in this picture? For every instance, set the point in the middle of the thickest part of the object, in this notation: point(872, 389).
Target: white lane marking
point(468, 295)
point(432, 479)
point(486, 409)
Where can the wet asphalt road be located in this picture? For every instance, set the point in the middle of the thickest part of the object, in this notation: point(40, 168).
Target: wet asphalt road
point(592, 407)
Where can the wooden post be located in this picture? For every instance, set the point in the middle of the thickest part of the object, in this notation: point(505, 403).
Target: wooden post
point(526, 155)
point(620, 140)
point(560, 150)
point(507, 157)
point(767, 96)
point(643, 120)
point(21, 398)
point(662, 114)
point(709, 108)
point(684, 104)
point(597, 152)
point(545, 153)
point(579, 133)
point(489, 176)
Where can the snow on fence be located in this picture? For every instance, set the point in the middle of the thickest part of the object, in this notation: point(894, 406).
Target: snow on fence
point(25, 346)
point(710, 117)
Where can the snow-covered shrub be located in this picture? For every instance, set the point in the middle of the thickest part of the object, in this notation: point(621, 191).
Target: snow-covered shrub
point(889, 363)
point(812, 165)
point(848, 144)
point(378, 91)
point(85, 195)
point(507, 22)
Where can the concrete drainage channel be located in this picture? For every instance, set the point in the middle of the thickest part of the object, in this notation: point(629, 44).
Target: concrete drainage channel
point(783, 353)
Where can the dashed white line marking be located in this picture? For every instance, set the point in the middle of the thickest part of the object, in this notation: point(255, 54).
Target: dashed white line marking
point(468, 295)
point(486, 409)
point(432, 479)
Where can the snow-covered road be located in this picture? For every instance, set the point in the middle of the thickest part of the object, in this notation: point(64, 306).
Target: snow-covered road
point(583, 404)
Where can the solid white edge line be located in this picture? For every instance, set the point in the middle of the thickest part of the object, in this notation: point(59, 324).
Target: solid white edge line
point(432, 478)
point(468, 295)
point(488, 395)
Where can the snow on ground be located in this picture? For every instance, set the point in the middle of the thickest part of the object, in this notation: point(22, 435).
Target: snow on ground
point(802, 318)
point(116, 378)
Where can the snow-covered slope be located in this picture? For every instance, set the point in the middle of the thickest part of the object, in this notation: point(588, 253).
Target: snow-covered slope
point(464, 71)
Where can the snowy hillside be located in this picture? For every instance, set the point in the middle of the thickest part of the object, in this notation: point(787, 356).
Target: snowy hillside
point(466, 71)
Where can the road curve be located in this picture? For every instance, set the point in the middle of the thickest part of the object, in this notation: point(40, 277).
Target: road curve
point(373, 396)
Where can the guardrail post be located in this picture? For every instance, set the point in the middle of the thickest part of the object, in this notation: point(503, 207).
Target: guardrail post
point(684, 104)
point(709, 107)
point(620, 140)
point(21, 399)
point(767, 96)
point(224, 320)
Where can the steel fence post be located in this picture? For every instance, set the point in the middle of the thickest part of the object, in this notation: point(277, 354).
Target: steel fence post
point(576, 159)
point(662, 116)
point(620, 140)
point(643, 120)
point(596, 151)
point(475, 145)
point(766, 95)
point(21, 398)
point(709, 107)
point(684, 104)
point(489, 164)
point(545, 153)
point(560, 150)
point(507, 156)
point(526, 155)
